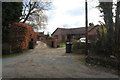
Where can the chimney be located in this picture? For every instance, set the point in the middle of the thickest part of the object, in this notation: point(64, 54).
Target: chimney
point(91, 24)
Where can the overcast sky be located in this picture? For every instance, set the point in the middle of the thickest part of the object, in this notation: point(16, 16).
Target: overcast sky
point(71, 14)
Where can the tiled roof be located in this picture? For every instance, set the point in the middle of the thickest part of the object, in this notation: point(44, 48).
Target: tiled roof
point(80, 30)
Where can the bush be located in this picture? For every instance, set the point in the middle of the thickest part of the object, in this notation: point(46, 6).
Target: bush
point(104, 45)
point(103, 61)
point(61, 44)
point(103, 49)
point(79, 47)
point(5, 48)
point(19, 35)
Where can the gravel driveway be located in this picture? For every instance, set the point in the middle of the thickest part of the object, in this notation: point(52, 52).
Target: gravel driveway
point(45, 62)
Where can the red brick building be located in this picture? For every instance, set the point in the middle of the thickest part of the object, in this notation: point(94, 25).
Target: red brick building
point(62, 34)
point(40, 35)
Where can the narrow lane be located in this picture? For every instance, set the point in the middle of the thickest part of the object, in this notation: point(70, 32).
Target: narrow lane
point(45, 62)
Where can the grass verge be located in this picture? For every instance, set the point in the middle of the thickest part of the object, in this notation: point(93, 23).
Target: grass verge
point(15, 54)
point(61, 45)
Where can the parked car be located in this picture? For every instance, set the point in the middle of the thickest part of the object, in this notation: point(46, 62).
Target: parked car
point(83, 40)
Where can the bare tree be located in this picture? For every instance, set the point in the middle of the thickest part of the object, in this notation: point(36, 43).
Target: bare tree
point(38, 20)
point(34, 12)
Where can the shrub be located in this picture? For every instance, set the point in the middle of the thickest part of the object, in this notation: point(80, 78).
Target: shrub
point(103, 61)
point(19, 35)
point(104, 48)
point(79, 47)
point(61, 44)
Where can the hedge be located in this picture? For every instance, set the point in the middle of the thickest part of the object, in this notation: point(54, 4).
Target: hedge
point(19, 35)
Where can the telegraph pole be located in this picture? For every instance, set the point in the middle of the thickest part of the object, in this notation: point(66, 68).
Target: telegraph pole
point(86, 23)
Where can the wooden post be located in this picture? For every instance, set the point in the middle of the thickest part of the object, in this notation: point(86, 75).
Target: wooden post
point(86, 22)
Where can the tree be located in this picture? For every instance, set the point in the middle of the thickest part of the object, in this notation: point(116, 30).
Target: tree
point(117, 24)
point(106, 9)
point(106, 41)
point(35, 12)
point(117, 31)
point(11, 12)
point(105, 45)
point(38, 20)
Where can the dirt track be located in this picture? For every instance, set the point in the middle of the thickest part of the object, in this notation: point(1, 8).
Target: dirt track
point(46, 62)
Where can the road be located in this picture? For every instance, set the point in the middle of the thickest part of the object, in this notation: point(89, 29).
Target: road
point(45, 62)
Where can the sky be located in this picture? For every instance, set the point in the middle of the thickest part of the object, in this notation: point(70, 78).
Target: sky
point(71, 14)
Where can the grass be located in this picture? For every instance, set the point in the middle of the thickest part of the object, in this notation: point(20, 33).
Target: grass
point(15, 54)
point(61, 44)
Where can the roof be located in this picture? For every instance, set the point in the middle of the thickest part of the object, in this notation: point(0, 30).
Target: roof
point(80, 30)
point(40, 33)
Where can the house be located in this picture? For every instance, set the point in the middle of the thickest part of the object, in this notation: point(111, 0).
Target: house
point(92, 34)
point(40, 35)
point(63, 34)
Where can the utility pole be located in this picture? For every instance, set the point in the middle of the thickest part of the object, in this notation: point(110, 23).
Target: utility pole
point(86, 22)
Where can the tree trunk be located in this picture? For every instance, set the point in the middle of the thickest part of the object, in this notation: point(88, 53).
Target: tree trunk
point(117, 24)
point(31, 8)
point(26, 17)
point(117, 30)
